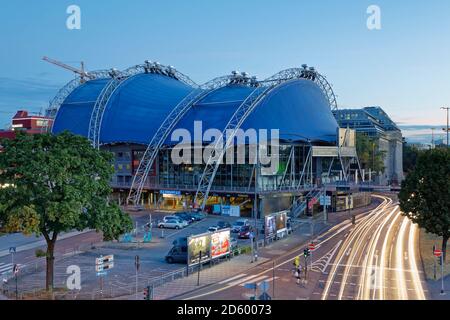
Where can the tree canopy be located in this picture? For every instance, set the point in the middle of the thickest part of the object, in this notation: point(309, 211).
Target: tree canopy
point(369, 154)
point(57, 183)
point(425, 193)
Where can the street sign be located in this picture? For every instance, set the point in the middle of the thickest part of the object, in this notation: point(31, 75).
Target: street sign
point(101, 273)
point(105, 266)
point(105, 259)
point(437, 252)
point(12, 249)
point(264, 286)
point(325, 200)
point(312, 246)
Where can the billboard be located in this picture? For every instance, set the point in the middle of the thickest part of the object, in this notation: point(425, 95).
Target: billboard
point(196, 244)
point(280, 221)
point(220, 243)
point(270, 226)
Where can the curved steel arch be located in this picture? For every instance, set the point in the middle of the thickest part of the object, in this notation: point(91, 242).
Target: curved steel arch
point(64, 92)
point(117, 79)
point(164, 130)
point(242, 113)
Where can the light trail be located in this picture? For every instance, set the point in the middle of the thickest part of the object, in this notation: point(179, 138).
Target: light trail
point(412, 261)
point(382, 280)
point(401, 282)
point(369, 267)
point(348, 241)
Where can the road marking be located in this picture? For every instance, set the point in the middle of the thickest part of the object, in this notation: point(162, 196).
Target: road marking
point(234, 283)
point(233, 278)
point(255, 280)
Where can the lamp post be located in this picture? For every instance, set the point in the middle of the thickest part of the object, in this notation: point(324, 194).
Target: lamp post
point(446, 108)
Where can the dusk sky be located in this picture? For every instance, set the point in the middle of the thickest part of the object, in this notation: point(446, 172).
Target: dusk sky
point(403, 67)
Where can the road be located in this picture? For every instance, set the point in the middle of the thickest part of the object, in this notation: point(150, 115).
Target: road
point(377, 258)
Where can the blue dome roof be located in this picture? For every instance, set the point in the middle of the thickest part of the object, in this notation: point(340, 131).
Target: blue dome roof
point(137, 108)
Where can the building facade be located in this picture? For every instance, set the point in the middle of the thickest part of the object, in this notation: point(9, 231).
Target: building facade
point(376, 124)
point(143, 113)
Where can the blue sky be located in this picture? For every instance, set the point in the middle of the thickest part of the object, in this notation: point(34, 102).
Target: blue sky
point(403, 67)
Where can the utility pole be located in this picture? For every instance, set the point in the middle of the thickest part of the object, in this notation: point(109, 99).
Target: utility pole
point(137, 264)
point(446, 108)
point(256, 208)
point(199, 267)
point(442, 274)
point(432, 138)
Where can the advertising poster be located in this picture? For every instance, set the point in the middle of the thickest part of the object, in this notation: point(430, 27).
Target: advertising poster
point(195, 245)
point(281, 219)
point(270, 226)
point(220, 243)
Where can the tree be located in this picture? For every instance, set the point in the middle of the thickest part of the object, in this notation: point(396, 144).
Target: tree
point(425, 194)
point(369, 154)
point(57, 183)
point(410, 155)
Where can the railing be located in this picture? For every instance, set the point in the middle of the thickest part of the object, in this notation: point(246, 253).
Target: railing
point(190, 187)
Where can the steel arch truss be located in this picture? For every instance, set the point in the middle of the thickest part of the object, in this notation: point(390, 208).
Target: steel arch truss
point(117, 79)
point(64, 92)
point(244, 110)
point(164, 130)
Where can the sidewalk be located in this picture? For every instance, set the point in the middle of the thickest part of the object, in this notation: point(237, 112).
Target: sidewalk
point(434, 289)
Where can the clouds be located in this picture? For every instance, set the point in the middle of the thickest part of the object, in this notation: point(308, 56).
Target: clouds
point(421, 133)
point(30, 94)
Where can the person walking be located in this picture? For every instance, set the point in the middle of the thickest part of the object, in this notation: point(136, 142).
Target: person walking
point(298, 273)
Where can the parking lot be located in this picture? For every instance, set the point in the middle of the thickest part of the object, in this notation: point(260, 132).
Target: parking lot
point(121, 279)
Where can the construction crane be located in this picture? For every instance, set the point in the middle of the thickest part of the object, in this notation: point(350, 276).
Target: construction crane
point(81, 72)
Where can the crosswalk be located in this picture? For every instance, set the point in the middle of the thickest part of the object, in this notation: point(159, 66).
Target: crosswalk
point(243, 278)
point(7, 268)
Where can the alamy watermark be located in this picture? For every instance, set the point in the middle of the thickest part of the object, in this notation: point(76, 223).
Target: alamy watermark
point(263, 148)
point(74, 279)
point(73, 21)
point(374, 19)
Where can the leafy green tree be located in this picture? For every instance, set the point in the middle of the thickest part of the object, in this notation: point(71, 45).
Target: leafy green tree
point(410, 155)
point(369, 154)
point(425, 194)
point(57, 183)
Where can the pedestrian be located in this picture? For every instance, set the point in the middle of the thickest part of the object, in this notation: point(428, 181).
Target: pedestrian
point(298, 274)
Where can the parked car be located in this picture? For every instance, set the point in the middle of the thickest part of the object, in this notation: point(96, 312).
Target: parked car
point(172, 222)
point(198, 216)
point(223, 225)
point(219, 226)
point(178, 254)
point(245, 232)
point(213, 228)
point(185, 216)
point(181, 241)
point(238, 224)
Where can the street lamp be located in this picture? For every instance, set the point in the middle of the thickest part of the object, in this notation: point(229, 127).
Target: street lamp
point(446, 108)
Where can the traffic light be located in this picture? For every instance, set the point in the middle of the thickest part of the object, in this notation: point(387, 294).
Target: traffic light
point(306, 253)
point(440, 260)
point(147, 293)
